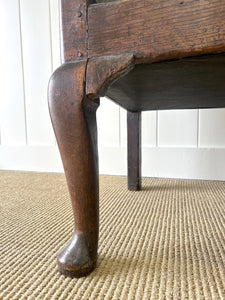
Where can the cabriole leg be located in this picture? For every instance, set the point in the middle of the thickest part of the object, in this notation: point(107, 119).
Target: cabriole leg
point(74, 121)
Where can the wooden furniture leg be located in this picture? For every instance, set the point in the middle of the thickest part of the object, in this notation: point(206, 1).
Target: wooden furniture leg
point(134, 150)
point(73, 117)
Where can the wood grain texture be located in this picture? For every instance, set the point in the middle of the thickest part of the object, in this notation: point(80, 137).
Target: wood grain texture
point(74, 29)
point(134, 150)
point(156, 30)
point(74, 121)
point(103, 71)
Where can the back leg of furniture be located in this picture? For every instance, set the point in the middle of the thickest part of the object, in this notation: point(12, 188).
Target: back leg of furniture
point(134, 150)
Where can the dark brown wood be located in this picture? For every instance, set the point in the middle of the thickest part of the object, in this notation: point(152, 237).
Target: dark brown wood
point(100, 1)
point(103, 71)
point(196, 82)
point(74, 29)
point(156, 30)
point(134, 150)
point(74, 121)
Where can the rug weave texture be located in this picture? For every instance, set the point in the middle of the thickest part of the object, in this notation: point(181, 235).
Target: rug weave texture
point(164, 242)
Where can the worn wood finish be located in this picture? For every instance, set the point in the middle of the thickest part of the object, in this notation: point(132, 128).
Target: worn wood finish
point(103, 71)
point(73, 92)
point(73, 29)
point(156, 30)
point(134, 150)
point(100, 1)
point(74, 121)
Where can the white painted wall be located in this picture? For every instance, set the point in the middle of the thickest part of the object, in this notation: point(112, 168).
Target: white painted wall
point(185, 144)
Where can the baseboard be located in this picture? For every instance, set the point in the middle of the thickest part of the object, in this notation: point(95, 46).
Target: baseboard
point(30, 158)
point(188, 163)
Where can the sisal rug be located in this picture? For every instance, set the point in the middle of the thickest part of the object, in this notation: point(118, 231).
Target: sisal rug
point(165, 242)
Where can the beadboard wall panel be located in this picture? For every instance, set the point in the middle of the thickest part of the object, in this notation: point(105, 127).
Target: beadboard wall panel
point(178, 128)
point(38, 66)
point(176, 144)
point(13, 116)
point(212, 128)
point(54, 33)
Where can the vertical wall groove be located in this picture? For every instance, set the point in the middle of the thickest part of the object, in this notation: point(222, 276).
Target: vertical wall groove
point(50, 33)
point(24, 92)
point(37, 62)
point(157, 129)
point(120, 141)
point(11, 73)
point(198, 121)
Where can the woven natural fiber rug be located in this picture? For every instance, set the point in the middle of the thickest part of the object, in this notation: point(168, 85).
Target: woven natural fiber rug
point(165, 242)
